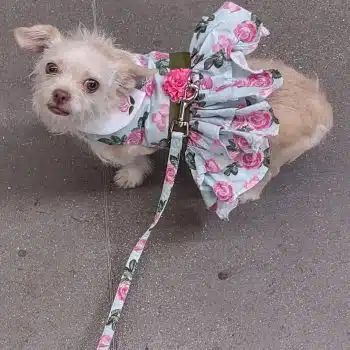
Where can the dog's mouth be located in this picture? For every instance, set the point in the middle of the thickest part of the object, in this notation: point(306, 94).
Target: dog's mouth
point(57, 110)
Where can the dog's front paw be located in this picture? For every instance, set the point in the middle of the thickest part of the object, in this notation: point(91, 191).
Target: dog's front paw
point(128, 177)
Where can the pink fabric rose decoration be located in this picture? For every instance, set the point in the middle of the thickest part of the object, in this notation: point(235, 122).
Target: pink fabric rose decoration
point(140, 245)
point(124, 105)
point(160, 118)
point(122, 291)
point(149, 87)
point(224, 43)
point(211, 166)
point(175, 84)
point(259, 120)
point(251, 160)
point(223, 191)
point(231, 6)
point(136, 137)
point(242, 143)
point(170, 174)
point(104, 342)
point(246, 31)
point(206, 83)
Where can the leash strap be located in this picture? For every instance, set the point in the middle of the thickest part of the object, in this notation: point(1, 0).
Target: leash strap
point(129, 270)
point(179, 129)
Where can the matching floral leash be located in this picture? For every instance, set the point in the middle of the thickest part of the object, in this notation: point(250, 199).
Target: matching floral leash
point(179, 130)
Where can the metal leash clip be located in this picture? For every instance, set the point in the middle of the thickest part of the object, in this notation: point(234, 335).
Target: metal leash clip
point(180, 124)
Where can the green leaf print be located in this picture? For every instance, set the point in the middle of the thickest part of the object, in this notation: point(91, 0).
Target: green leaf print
point(208, 63)
point(163, 66)
point(275, 74)
point(195, 125)
point(218, 62)
point(231, 169)
point(113, 318)
point(245, 128)
point(232, 146)
point(174, 161)
point(190, 159)
point(194, 52)
point(106, 141)
point(267, 154)
point(201, 27)
point(161, 205)
point(197, 59)
point(140, 84)
point(201, 96)
point(257, 21)
point(142, 121)
point(116, 140)
point(132, 265)
point(274, 118)
point(211, 18)
point(129, 270)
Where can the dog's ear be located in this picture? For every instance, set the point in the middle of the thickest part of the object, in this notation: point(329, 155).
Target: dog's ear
point(37, 38)
point(129, 74)
point(136, 73)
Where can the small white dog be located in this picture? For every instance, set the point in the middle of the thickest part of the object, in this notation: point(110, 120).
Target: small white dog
point(82, 77)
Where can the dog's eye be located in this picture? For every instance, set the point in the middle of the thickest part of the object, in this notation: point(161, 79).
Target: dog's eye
point(51, 68)
point(91, 85)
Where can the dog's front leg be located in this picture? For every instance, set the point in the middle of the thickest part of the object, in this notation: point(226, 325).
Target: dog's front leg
point(133, 162)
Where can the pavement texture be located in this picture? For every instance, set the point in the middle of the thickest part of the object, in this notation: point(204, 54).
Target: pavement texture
point(286, 257)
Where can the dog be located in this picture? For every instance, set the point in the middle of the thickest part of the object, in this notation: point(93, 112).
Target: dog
point(81, 77)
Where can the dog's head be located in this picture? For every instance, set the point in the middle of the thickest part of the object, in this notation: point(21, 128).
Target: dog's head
point(79, 78)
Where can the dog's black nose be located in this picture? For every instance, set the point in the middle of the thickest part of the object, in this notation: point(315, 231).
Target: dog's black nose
point(60, 96)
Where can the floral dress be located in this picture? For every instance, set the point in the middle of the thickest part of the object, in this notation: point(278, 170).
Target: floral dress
point(228, 147)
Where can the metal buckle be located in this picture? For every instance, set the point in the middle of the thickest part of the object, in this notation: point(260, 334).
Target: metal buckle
point(180, 124)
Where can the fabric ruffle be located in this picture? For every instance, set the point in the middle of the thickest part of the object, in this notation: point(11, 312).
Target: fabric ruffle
point(228, 147)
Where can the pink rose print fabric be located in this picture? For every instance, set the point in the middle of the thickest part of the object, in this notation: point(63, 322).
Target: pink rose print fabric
point(123, 290)
point(170, 174)
point(135, 137)
point(125, 105)
point(140, 245)
point(224, 191)
point(256, 80)
point(211, 166)
point(161, 118)
point(149, 87)
point(223, 43)
point(231, 7)
point(246, 31)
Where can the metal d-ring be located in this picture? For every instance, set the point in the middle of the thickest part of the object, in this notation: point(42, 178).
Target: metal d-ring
point(180, 122)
